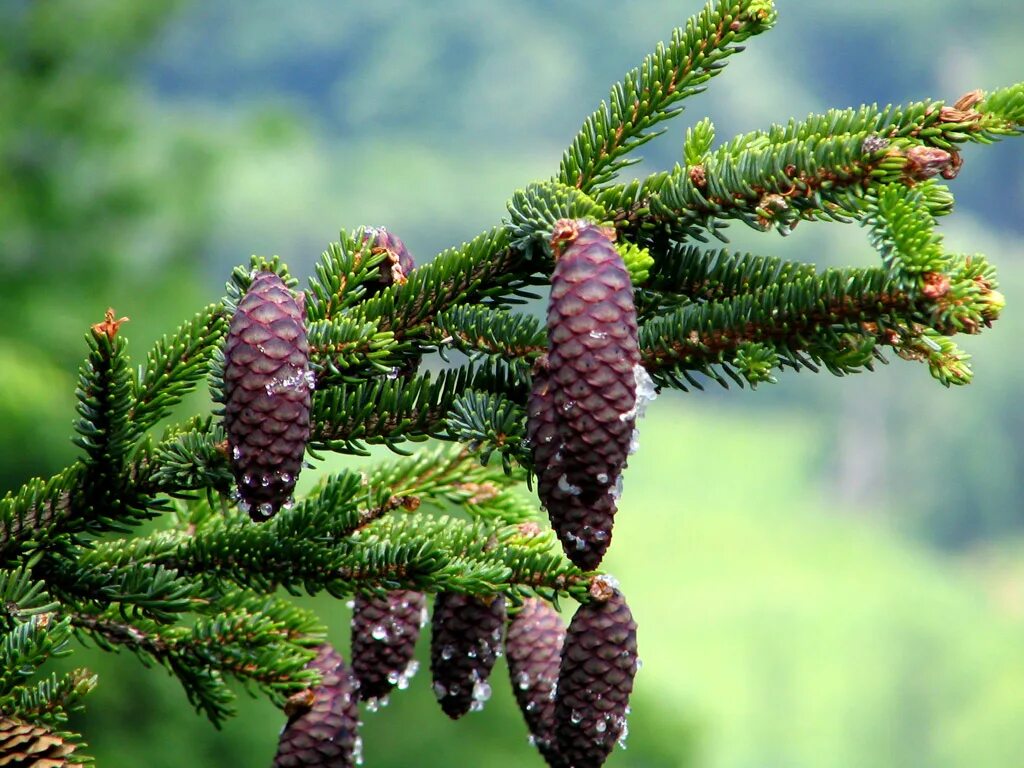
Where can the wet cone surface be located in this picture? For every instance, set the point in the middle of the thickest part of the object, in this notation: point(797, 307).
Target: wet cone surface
point(324, 734)
point(384, 634)
point(533, 648)
point(464, 644)
point(582, 407)
point(267, 387)
point(599, 661)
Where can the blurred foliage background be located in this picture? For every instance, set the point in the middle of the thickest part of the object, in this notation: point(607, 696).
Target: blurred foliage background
point(827, 572)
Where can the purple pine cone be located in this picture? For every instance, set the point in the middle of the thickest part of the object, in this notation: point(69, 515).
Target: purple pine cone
point(599, 661)
point(397, 264)
point(464, 644)
point(267, 387)
point(384, 634)
point(323, 733)
point(582, 408)
point(533, 648)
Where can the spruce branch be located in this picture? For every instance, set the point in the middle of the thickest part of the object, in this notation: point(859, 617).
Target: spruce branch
point(649, 94)
point(256, 649)
point(393, 410)
point(902, 231)
point(431, 474)
point(342, 349)
point(31, 516)
point(838, 318)
point(352, 533)
point(796, 319)
point(51, 700)
point(974, 117)
point(1001, 113)
point(474, 557)
point(104, 387)
point(173, 368)
point(192, 458)
point(489, 423)
point(107, 499)
point(485, 270)
point(28, 645)
point(510, 336)
point(772, 187)
point(534, 211)
point(688, 273)
point(340, 275)
point(138, 589)
point(22, 596)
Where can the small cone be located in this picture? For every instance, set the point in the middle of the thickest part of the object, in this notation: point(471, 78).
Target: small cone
point(384, 634)
point(398, 262)
point(464, 644)
point(396, 267)
point(533, 648)
point(599, 661)
point(323, 733)
point(267, 387)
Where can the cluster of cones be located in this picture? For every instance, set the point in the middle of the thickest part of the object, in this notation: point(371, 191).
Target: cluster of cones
point(572, 685)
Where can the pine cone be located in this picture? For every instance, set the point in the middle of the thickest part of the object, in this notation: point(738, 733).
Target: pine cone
point(599, 662)
point(533, 648)
point(24, 745)
point(583, 406)
point(267, 387)
point(465, 642)
point(396, 266)
point(384, 634)
point(322, 733)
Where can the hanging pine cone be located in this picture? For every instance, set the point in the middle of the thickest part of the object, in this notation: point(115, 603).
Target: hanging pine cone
point(533, 647)
point(23, 745)
point(267, 387)
point(464, 644)
point(384, 634)
point(397, 264)
point(595, 679)
point(583, 406)
point(322, 728)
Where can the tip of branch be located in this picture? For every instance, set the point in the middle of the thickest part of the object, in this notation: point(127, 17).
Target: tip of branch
point(603, 588)
point(110, 326)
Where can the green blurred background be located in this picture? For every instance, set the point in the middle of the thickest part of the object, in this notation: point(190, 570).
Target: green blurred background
point(827, 573)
